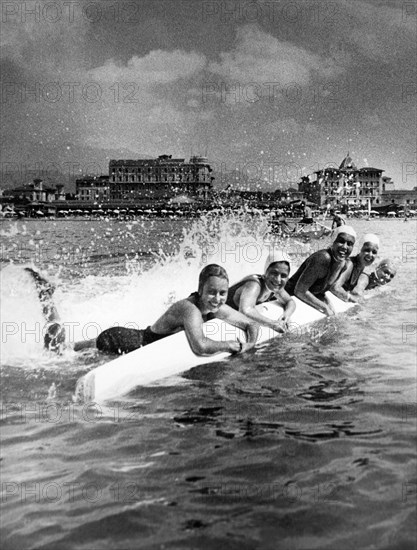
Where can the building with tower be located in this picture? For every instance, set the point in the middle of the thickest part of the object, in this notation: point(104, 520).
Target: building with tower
point(346, 185)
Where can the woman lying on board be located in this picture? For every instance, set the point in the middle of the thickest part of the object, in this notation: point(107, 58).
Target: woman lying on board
point(384, 272)
point(208, 302)
point(256, 289)
point(355, 267)
point(320, 271)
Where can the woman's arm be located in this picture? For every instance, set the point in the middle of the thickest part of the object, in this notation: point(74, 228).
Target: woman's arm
point(247, 306)
point(289, 307)
point(238, 319)
point(190, 317)
point(357, 292)
point(315, 269)
point(337, 288)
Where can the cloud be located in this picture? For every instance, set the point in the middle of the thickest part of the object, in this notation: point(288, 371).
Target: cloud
point(130, 104)
point(378, 32)
point(43, 42)
point(157, 67)
point(142, 108)
point(259, 57)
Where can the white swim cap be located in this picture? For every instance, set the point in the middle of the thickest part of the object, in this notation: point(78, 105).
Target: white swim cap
point(348, 229)
point(370, 238)
point(387, 262)
point(276, 256)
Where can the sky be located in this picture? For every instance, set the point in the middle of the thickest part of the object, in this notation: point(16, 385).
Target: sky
point(276, 89)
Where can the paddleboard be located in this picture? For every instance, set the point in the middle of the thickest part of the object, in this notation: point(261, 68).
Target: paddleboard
point(172, 355)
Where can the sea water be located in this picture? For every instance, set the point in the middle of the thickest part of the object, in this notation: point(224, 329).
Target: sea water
point(310, 442)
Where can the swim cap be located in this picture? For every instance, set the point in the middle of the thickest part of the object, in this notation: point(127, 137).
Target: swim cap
point(387, 262)
point(276, 256)
point(370, 238)
point(348, 229)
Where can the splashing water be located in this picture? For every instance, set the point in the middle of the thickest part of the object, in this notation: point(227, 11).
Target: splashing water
point(109, 274)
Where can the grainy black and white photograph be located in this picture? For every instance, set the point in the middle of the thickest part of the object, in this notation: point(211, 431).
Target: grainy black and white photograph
point(208, 219)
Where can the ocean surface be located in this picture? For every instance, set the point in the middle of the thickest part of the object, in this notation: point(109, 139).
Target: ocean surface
point(308, 443)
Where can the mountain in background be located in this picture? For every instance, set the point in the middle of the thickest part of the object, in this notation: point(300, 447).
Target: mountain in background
point(62, 167)
point(78, 162)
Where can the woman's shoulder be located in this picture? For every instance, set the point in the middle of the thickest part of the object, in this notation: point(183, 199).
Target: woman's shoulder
point(186, 304)
point(349, 264)
point(368, 270)
point(249, 282)
point(254, 279)
point(186, 308)
point(320, 256)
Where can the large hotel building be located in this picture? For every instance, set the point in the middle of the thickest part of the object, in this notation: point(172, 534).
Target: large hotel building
point(160, 178)
point(149, 179)
point(347, 185)
point(164, 178)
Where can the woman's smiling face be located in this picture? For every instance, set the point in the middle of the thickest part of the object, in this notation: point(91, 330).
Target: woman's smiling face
point(213, 294)
point(343, 246)
point(385, 273)
point(276, 276)
point(368, 253)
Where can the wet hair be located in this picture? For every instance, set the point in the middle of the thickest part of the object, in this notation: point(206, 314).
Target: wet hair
point(211, 270)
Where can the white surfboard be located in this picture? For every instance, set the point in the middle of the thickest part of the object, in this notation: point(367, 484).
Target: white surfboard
point(172, 355)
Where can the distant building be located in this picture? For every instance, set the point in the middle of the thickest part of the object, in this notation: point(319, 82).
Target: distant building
point(93, 189)
point(346, 185)
point(35, 192)
point(407, 198)
point(291, 194)
point(310, 190)
point(160, 178)
point(386, 184)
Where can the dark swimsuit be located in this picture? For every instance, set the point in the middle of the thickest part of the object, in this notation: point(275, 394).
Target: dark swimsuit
point(120, 340)
point(373, 281)
point(124, 340)
point(234, 288)
point(350, 284)
point(321, 285)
